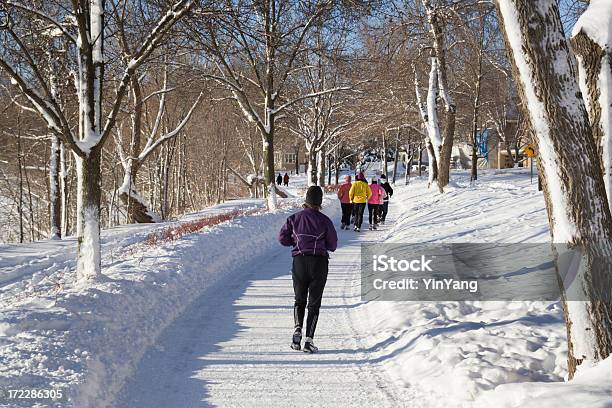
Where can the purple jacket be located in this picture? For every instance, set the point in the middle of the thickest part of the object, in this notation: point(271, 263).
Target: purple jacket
point(310, 232)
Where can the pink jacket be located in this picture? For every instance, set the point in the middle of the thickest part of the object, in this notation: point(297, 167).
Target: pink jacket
point(343, 193)
point(378, 193)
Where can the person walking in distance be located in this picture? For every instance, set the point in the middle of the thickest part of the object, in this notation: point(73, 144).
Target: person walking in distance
point(385, 207)
point(374, 204)
point(279, 180)
point(345, 202)
point(359, 195)
point(286, 180)
point(312, 236)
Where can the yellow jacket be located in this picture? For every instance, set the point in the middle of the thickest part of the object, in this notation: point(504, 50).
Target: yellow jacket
point(360, 192)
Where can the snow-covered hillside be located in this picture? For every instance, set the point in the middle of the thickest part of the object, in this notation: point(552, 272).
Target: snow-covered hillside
point(205, 318)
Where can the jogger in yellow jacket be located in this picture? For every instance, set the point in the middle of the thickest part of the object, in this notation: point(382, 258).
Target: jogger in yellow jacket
point(359, 194)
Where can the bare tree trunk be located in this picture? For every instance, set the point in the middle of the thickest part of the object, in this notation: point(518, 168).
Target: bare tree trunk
point(20, 177)
point(407, 172)
point(55, 199)
point(574, 190)
point(65, 192)
point(33, 229)
point(475, 107)
point(474, 164)
point(396, 157)
point(420, 160)
point(337, 164)
point(321, 164)
point(312, 166)
point(595, 73)
point(88, 214)
point(321, 167)
point(384, 153)
point(436, 23)
point(433, 163)
point(443, 176)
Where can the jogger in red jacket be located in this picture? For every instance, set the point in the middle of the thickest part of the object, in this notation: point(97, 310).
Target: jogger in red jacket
point(345, 202)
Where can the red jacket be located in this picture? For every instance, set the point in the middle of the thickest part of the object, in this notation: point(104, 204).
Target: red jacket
point(343, 193)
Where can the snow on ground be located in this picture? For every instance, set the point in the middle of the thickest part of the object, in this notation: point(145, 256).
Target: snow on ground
point(206, 320)
point(57, 334)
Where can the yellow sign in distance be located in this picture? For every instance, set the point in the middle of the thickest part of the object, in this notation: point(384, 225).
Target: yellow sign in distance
point(529, 150)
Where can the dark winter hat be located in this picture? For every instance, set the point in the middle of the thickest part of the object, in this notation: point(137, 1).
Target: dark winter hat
point(314, 196)
point(382, 176)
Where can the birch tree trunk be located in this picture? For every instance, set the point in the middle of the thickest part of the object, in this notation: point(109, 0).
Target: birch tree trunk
point(578, 211)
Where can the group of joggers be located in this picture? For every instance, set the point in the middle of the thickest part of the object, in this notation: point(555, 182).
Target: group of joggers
point(354, 197)
point(312, 235)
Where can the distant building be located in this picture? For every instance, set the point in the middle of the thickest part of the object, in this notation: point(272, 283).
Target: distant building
point(492, 154)
point(290, 159)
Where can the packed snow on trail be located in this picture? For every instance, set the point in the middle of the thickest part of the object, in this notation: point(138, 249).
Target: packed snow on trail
point(198, 312)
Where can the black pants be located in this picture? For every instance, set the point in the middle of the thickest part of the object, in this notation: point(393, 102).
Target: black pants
point(347, 209)
point(373, 209)
point(359, 209)
point(385, 209)
point(309, 277)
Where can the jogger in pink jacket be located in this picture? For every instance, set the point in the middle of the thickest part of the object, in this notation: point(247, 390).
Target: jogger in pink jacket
point(374, 203)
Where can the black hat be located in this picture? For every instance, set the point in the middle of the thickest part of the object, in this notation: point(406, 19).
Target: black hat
point(382, 176)
point(314, 196)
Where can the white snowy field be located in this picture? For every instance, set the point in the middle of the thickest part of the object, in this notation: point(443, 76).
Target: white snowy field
point(206, 320)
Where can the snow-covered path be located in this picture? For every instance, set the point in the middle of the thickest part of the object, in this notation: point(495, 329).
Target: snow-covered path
point(231, 347)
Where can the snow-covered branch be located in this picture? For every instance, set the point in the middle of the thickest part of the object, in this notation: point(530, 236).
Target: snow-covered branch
point(178, 10)
point(46, 17)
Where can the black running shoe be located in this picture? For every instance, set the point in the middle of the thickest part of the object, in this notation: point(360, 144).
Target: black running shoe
point(309, 347)
point(296, 342)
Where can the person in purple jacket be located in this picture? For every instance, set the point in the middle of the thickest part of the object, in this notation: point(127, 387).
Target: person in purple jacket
point(311, 234)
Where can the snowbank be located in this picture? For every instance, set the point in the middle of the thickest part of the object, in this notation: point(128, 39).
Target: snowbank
point(589, 388)
point(89, 339)
point(483, 354)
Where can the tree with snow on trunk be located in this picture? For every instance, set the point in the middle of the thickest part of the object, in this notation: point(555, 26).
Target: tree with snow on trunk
point(574, 190)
